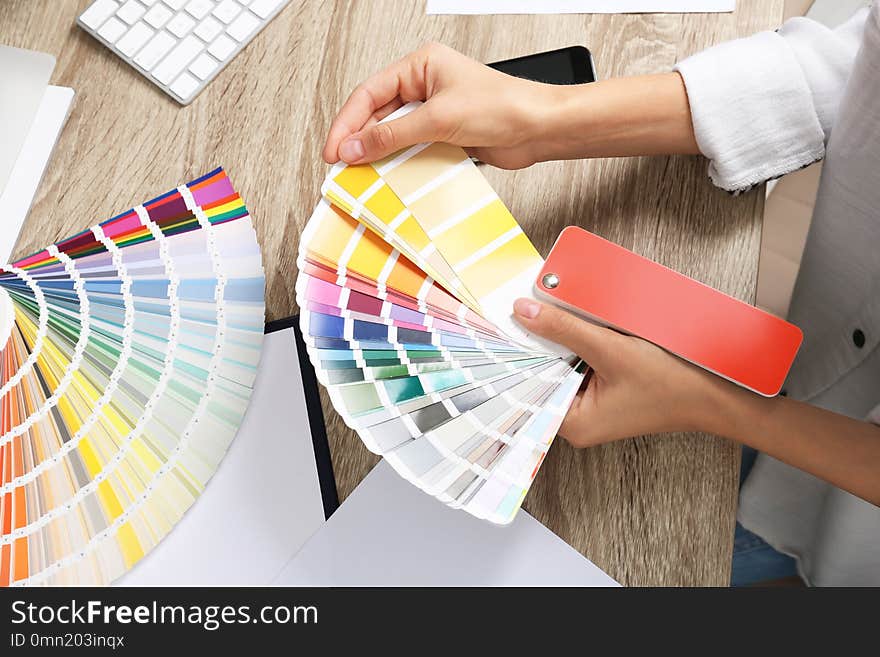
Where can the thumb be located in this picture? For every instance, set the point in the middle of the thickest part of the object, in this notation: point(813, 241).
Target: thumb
point(594, 344)
point(382, 139)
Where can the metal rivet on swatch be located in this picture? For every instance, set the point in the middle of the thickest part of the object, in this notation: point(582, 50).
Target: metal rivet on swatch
point(550, 281)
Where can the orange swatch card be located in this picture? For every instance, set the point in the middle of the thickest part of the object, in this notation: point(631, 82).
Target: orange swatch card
point(612, 286)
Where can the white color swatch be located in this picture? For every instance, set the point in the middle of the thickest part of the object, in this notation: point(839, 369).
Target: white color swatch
point(579, 6)
point(7, 316)
point(389, 533)
point(264, 501)
point(29, 167)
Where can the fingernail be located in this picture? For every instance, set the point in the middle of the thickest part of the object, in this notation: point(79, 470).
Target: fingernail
point(526, 308)
point(352, 150)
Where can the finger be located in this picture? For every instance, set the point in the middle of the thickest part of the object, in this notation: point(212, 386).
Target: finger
point(580, 421)
point(501, 157)
point(575, 429)
point(377, 141)
point(383, 112)
point(595, 344)
point(367, 97)
point(404, 78)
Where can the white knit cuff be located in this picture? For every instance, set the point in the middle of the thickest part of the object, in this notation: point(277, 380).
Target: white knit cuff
point(752, 110)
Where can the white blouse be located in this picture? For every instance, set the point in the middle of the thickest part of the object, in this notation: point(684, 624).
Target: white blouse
point(762, 107)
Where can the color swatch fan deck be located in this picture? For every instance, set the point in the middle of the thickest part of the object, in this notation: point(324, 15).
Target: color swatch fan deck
point(408, 271)
point(127, 357)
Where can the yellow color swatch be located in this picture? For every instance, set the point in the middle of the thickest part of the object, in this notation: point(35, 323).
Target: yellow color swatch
point(331, 236)
point(483, 227)
point(384, 204)
point(129, 545)
point(454, 196)
point(489, 273)
point(356, 179)
point(417, 171)
point(369, 256)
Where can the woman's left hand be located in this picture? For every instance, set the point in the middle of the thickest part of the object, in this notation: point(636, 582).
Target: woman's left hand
point(635, 387)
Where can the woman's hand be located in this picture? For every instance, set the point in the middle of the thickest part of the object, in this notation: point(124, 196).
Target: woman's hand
point(496, 117)
point(635, 387)
point(506, 121)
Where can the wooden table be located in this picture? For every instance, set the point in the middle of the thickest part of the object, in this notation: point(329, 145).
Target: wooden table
point(656, 510)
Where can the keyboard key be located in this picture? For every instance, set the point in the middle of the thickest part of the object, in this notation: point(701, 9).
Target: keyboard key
point(177, 59)
point(158, 15)
point(243, 26)
point(98, 13)
point(227, 10)
point(208, 29)
point(134, 39)
point(180, 25)
point(151, 53)
point(184, 86)
point(180, 44)
point(199, 8)
point(222, 47)
point(204, 66)
point(112, 30)
point(263, 8)
point(131, 11)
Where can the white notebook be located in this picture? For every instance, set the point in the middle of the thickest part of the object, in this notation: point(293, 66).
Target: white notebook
point(389, 533)
point(30, 165)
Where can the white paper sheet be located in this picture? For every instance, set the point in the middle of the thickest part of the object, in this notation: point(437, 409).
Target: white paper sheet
point(389, 533)
point(578, 6)
point(263, 503)
point(24, 75)
point(30, 165)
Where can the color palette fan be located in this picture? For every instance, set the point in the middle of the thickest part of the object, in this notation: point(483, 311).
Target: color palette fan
point(129, 352)
point(408, 271)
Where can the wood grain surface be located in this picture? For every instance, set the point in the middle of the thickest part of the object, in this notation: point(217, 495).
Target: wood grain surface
point(649, 511)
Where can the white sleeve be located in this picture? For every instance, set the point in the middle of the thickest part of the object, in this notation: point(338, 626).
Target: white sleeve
point(764, 106)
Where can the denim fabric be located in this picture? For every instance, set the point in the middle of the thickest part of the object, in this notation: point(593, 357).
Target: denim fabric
point(754, 561)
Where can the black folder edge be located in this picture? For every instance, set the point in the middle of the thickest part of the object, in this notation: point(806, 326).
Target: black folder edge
point(321, 446)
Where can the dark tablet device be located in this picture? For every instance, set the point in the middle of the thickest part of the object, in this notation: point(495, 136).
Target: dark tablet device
point(573, 65)
point(323, 463)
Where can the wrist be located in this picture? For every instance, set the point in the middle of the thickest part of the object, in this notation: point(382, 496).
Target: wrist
point(704, 403)
point(561, 122)
point(619, 117)
point(715, 413)
point(733, 412)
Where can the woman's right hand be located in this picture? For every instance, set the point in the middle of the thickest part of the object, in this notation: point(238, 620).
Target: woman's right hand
point(495, 117)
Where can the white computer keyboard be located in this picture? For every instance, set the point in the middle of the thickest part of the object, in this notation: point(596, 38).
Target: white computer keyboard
point(179, 45)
